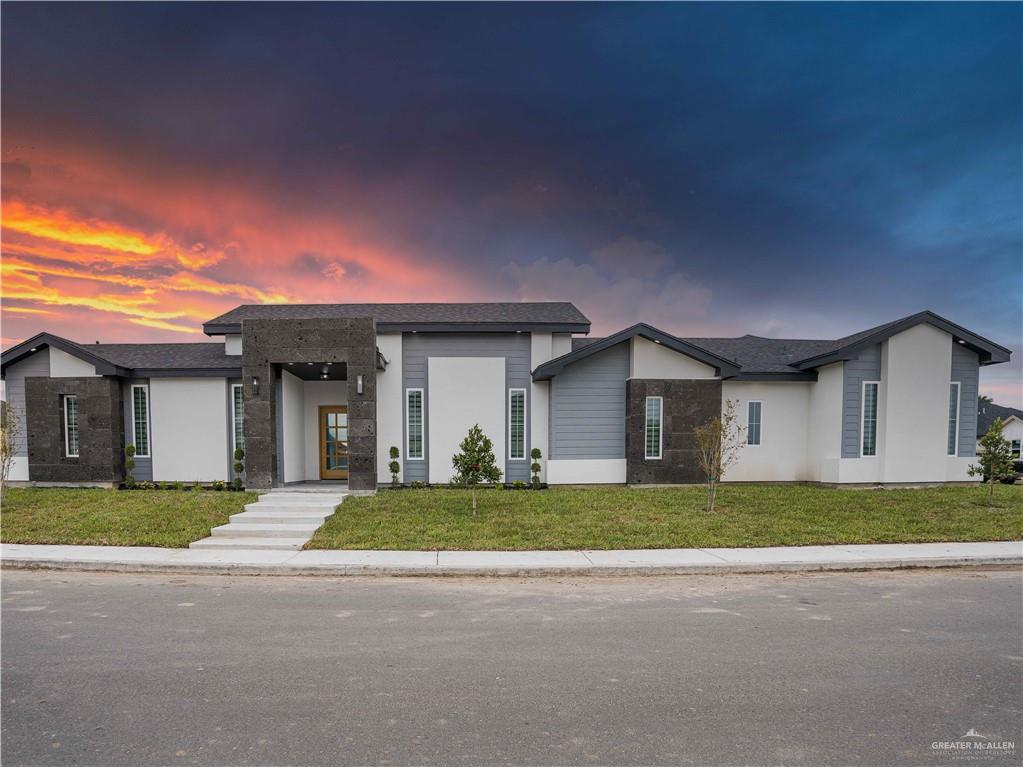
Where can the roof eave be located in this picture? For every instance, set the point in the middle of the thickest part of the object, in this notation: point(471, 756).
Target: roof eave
point(31, 346)
point(221, 329)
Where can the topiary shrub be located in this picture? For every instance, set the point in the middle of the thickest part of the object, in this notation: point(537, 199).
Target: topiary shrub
point(129, 465)
point(394, 467)
point(239, 468)
point(535, 467)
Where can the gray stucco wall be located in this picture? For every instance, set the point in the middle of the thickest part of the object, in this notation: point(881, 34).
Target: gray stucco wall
point(143, 466)
point(966, 370)
point(867, 367)
point(418, 347)
point(38, 365)
point(587, 406)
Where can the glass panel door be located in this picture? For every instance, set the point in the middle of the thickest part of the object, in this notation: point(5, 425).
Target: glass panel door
point(333, 442)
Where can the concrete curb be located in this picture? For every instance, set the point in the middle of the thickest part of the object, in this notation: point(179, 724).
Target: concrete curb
point(514, 564)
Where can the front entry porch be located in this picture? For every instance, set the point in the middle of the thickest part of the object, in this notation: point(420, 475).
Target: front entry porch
point(313, 428)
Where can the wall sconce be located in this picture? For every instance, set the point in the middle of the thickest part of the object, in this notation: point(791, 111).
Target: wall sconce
point(358, 384)
point(255, 385)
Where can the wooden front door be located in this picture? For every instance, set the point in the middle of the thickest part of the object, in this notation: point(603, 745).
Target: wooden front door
point(333, 442)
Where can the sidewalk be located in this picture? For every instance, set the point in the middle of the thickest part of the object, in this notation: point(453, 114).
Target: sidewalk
point(515, 563)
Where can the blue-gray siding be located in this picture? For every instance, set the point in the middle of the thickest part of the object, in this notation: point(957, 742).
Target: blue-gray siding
point(966, 370)
point(417, 348)
point(34, 365)
point(143, 466)
point(587, 402)
point(867, 367)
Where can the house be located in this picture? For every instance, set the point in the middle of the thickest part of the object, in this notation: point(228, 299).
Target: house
point(1012, 424)
point(321, 392)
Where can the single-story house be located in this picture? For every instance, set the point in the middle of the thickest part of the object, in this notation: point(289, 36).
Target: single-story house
point(1012, 424)
point(322, 392)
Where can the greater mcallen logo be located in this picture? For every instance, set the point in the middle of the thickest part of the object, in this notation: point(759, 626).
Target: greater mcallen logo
point(973, 744)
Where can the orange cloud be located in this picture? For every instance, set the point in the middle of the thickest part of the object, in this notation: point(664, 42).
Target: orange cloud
point(62, 226)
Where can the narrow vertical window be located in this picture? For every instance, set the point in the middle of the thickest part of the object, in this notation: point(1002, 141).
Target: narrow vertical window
point(953, 418)
point(414, 424)
point(753, 420)
point(140, 420)
point(869, 407)
point(652, 437)
point(71, 425)
point(1015, 449)
point(517, 424)
point(237, 417)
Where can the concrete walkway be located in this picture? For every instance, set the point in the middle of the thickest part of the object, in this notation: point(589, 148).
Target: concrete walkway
point(515, 563)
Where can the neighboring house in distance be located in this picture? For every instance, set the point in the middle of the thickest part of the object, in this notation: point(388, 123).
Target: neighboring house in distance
point(1012, 424)
point(323, 391)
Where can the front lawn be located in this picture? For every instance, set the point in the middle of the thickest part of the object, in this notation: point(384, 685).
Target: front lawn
point(623, 518)
point(172, 518)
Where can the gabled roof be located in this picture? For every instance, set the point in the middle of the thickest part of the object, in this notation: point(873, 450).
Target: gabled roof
point(725, 367)
point(850, 346)
point(552, 317)
point(42, 340)
point(987, 413)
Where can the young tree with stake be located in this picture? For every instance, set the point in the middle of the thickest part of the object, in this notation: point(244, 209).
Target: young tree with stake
point(994, 459)
point(476, 463)
point(718, 443)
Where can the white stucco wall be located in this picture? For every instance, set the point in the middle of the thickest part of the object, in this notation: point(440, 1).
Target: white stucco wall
point(781, 455)
point(824, 425)
point(541, 349)
point(587, 471)
point(314, 394)
point(916, 366)
point(293, 432)
point(561, 343)
point(652, 360)
point(64, 365)
point(389, 406)
point(464, 391)
point(233, 344)
point(188, 418)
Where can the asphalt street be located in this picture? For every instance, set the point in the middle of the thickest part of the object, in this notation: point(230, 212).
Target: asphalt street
point(829, 669)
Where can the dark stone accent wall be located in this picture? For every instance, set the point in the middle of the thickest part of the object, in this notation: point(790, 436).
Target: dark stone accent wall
point(268, 344)
point(100, 430)
point(687, 404)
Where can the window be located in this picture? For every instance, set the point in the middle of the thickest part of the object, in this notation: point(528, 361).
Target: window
point(71, 425)
point(414, 424)
point(868, 440)
point(753, 412)
point(653, 427)
point(1015, 448)
point(238, 417)
point(953, 418)
point(517, 424)
point(140, 419)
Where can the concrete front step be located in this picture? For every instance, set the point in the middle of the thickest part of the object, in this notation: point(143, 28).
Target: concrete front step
point(270, 516)
point(294, 508)
point(310, 501)
point(262, 544)
point(255, 530)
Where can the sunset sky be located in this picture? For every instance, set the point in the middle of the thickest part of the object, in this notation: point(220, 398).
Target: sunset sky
point(790, 170)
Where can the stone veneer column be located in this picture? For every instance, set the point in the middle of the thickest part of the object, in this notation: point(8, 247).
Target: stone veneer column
point(269, 343)
point(688, 403)
point(100, 429)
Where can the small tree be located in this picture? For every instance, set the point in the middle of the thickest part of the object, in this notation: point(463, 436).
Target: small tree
point(239, 467)
point(129, 465)
point(535, 467)
point(476, 463)
point(394, 467)
point(10, 433)
point(994, 459)
point(718, 443)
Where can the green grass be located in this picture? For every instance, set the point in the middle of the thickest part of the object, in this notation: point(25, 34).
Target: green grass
point(623, 518)
point(172, 518)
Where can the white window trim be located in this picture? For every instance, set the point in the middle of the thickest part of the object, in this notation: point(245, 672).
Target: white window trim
point(234, 417)
point(863, 415)
point(761, 403)
point(408, 433)
point(525, 421)
point(134, 428)
point(959, 400)
point(660, 430)
point(67, 430)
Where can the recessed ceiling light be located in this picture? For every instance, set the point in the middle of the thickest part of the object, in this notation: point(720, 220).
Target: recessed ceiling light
point(309, 363)
point(33, 348)
point(962, 341)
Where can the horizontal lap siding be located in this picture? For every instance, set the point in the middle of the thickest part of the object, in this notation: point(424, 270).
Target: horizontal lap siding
point(588, 407)
point(866, 367)
point(966, 370)
point(35, 365)
point(417, 348)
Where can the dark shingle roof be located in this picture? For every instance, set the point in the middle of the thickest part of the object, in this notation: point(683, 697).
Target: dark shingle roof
point(756, 354)
point(987, 413)
point(202, 355)
point(561, 316)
